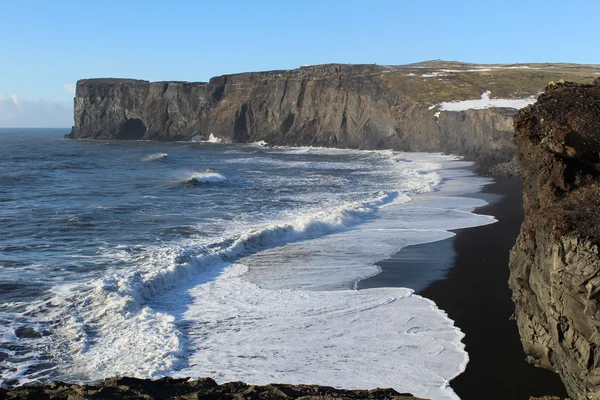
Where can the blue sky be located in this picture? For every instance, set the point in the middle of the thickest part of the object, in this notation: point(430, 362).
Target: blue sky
point(47, 46)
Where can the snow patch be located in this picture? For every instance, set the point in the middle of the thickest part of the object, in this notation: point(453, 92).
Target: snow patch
point(467, 70)
point(486, 102)
point(433, 75)
point(516, 67)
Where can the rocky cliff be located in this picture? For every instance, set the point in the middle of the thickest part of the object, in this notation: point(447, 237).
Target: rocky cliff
point(354, 106)
point(555, 264)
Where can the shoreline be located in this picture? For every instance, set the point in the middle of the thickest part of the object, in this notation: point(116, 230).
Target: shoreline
point(475, 294)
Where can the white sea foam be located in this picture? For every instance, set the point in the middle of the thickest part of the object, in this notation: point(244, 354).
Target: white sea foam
point(204, 177)
point(154, 157)
point(351, 339)
point(214, 139)
point(114, 307)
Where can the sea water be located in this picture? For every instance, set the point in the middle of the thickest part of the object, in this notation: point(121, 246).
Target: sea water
point(238, 262)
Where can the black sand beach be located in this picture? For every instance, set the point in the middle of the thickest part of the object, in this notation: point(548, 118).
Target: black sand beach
point(476, 296)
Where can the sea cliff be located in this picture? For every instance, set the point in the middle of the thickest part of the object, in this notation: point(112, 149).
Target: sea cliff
point(333, 105)
point(555, 264)
point(351, 106)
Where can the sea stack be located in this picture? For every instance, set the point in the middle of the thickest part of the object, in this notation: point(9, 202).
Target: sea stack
point(555, 264)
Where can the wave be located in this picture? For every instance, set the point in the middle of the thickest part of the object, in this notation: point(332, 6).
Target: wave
point(204, 177)
point(214, 139)
point(143, 284)
point(260, 143)
point(95, 318)
point(154, 157)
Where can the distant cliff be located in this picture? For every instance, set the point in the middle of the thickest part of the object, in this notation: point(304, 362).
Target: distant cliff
point(555, 264)
point(354, 106)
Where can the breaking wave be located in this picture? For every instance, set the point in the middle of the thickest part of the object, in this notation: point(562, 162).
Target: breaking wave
point(154, 157)
point(94, 321)
point(201, 177)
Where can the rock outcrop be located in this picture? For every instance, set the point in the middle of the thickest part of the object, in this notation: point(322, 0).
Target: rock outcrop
point(555, 264)
point(205, 388)
point(351, 106)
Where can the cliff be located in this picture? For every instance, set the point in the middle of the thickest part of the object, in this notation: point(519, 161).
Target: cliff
point(352, 106)
point(555, 264)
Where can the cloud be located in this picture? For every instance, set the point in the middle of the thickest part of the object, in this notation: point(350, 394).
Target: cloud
point(69, 88)
point(28, 112)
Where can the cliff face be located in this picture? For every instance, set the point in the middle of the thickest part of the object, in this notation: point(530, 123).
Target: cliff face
point(333, 105)
point(555, 264)
point(132, 109)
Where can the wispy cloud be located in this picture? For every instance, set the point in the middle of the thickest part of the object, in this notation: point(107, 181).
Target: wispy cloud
point(69, 88)
point(28, 112)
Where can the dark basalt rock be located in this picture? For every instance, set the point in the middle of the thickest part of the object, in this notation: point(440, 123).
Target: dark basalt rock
point(346, 106)
point(23, 332)
point(71, 134)
point(203, 388)
point(555, 264)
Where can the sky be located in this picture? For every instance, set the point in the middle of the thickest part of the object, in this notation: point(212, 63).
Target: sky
point(46, 46)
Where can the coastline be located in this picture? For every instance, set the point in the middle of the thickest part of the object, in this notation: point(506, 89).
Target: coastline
point(475, 294)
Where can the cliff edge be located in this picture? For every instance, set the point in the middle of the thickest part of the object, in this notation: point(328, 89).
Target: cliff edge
point(555, 263)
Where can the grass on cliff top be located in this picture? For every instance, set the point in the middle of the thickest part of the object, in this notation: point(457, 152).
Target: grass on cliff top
point(434, 82)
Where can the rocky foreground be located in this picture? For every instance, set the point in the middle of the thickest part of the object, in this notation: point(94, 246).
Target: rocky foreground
point(205, 389)
point(555, 264)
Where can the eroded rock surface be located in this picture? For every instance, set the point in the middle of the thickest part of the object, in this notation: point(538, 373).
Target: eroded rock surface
point(555, 264)
point(205, 389)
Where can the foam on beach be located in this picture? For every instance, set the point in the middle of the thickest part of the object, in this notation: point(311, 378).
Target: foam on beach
point(363, 340)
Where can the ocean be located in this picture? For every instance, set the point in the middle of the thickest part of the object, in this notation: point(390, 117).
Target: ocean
point(238, 262)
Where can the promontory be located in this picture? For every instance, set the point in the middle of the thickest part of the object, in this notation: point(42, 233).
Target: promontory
point(458, 108)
